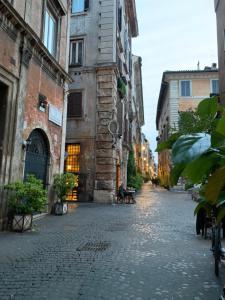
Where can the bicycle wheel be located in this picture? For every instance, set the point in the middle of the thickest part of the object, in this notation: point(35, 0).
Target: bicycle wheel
point(217, 246)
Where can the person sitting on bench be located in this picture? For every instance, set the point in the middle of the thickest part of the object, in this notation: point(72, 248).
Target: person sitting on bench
point(126, 195)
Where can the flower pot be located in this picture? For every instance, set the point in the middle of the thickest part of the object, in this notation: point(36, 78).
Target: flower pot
point(22, 223)
point(60, 208)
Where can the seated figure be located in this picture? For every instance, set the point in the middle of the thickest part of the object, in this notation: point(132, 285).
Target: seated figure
point(126, 195)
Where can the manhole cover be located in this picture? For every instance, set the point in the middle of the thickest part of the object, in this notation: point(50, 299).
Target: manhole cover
point(94, 246)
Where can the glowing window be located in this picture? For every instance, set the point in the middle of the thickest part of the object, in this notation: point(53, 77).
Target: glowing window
point(72, 163)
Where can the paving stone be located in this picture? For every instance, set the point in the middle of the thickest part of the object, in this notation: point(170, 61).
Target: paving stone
point(145, 251)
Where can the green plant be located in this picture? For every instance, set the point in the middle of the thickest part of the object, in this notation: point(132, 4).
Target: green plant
point(26, 197)
point(134, 177)
point(63, 184)
point(198, 154)
point(121, 87)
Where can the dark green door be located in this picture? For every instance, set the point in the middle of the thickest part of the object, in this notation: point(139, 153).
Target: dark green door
point(37, 156)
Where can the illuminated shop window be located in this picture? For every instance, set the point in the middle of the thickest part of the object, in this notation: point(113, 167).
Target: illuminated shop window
point(72, 164)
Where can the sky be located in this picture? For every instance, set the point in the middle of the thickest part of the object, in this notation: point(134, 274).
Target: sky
point(173, 35)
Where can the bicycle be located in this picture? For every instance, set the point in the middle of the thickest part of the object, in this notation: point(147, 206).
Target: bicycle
point(218, 251)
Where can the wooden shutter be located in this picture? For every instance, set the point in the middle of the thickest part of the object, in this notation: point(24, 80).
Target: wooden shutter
point(86, 5)
point(74, 108)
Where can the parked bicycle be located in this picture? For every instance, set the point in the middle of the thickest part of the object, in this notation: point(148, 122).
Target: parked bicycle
point(218, 251)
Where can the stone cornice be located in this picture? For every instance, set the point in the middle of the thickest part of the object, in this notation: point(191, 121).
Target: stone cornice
point(13, 24)
point(194, 75)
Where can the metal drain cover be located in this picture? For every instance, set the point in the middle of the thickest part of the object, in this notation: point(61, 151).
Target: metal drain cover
point(94, 246)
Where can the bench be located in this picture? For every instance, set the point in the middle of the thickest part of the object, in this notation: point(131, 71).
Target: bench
point(126, 196)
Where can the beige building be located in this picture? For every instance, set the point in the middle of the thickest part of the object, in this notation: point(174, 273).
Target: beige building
point(98, 126)
point(180, 91)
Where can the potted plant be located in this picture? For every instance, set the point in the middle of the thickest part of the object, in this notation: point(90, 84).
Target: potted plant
point(24, 199)
point(62, 185)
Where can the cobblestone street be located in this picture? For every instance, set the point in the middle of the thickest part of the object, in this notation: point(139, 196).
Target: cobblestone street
point(143, 251)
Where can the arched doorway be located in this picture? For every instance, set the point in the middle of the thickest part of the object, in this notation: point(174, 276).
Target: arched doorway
point(37, 156)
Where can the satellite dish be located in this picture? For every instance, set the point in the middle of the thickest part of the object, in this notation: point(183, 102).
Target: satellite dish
point(113, 127)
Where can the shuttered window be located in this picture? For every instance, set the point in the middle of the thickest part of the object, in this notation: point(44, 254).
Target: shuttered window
point(76, 53)
point(215, 86)
point(185, 88)
point(74, 108)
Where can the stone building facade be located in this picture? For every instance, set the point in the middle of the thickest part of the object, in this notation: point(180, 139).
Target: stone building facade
point(180, 91)
point(33, 86)
point(137, 110)
point(98, 126)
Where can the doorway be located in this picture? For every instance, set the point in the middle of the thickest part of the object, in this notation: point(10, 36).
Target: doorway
point(37, 156)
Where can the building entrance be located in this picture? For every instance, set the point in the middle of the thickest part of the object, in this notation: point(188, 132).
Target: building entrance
point(37, 156)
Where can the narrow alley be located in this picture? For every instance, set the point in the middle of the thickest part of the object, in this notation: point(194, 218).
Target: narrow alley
point(144, 251)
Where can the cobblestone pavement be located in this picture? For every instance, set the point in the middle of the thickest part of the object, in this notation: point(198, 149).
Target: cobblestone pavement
point(143, 251)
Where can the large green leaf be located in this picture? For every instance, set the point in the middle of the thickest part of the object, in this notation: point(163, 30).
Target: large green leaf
point(176, 173)
point(217, 139)
point(203, 204)
point(169, 143)
point(201, 167)
point(220, 214)
point(215, 185)
point(221, 126)
point(190, 147)
point(221, 199)
point(207, 107)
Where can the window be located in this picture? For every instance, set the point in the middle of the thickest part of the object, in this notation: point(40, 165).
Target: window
point(72, 163)
point(50, 32)
point(215, 86)
point(74, 108)
point(120, 18)
point(79, 6)
point(76, 53)
point(185, 88)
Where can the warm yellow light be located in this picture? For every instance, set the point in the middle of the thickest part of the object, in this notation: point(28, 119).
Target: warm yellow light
point(145, 159)
point(143, 148)
point(69, 167)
